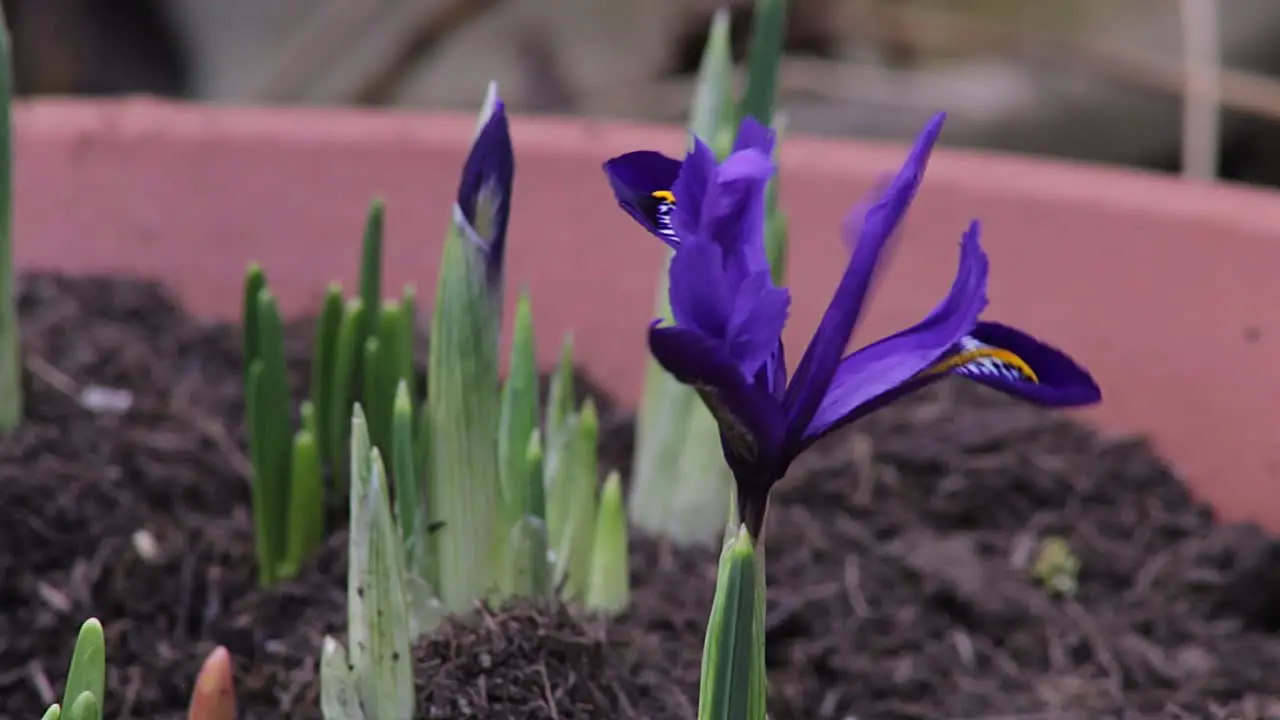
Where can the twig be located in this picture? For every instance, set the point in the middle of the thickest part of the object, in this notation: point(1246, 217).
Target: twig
point(434, 27)
point(546, 689)
point(1202, 68)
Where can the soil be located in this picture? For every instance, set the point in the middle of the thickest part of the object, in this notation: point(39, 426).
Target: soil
point(898, 557)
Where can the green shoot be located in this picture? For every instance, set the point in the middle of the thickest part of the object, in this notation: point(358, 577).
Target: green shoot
point(10, 342)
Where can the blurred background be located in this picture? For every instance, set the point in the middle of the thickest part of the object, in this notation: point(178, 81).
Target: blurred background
point(1176, 85)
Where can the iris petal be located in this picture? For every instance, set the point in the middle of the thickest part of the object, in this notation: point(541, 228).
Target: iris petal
point(748, 417)
point(880, 367)
point(755, 135)
point(635, 178)
point(733, 213)
point(484, 192)
point(1013, 362)
point(700, 297)
point(879, 222)
point(756, 322)
point(689, 188)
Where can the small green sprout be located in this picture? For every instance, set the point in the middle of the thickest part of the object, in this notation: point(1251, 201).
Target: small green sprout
point(1056, 567)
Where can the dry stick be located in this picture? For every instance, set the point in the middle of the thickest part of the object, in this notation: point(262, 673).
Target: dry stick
point(1240, 90)
point(434, 27)
point(1202, 68)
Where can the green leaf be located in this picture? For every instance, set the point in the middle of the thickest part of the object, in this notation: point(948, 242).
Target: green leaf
point(86, 707)
point(254, 283)
point(525, 571)
point(53, 713)
point(713, 92)
point(371, 265)
point(339, 699)
point(733, 673)
point(10, 341)
point(679, 484)
point(395, 360)
point(340, 395)
point(462, 401)
point(560, 401)
point(764, 56)
point(270, 426)
point(428, 566)
point(519, 413)
point(573, 496)
point(373, 385)
point(609, 582)
point(410, 513)
point(88, 671)
point(775, 230)
point(260, 494)
point(324, 362)
point(306, 503)
point(378, 626)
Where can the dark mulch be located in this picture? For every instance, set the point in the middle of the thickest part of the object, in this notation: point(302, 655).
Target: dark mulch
point(897, 560)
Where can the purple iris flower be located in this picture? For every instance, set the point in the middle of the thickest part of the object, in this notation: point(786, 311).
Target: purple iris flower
point(483, 208)
point(726, 341)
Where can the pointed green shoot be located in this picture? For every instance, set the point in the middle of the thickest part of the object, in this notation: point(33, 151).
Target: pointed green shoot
point(372, 385)
point(733, 673)
point(463, 404)
point(88, 672)
point(53, 713)
point(560, 402)
point(338, 697)
point(519, 412)
point(764, 56)
point(85, 707)
point(371, 264)
point(525, 572)
point(10, 341)
point(609, 583)
point(267, 397)
point(305, 505)
point(378, 626)
point(571, 506)
point(389, 355)
point(323, 363)
point(255, 281)
point(410, 513)
point(346, 351)
point(526, 568)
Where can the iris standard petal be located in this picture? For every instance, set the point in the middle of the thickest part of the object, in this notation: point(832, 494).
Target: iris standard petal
point(484, 193)
point(878, 368)
point(689, 189)
point(1013, 362)
point(642, 182)
point(879, 222)
point(748, 417)
point(754, 134)
point(756, 321)
point(733, 213)
point(701, 299)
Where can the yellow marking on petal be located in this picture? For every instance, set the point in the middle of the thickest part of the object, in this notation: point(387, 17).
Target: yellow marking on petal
point(999, 355)
point(664, 195)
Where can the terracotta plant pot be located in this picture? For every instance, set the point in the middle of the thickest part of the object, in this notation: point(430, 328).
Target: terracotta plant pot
point(902, 560)
point(1165, 289)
